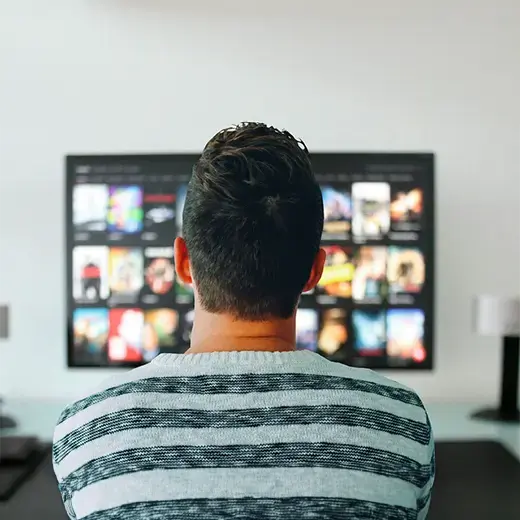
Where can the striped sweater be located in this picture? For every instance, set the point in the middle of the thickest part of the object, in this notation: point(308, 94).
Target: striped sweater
point(246, 435)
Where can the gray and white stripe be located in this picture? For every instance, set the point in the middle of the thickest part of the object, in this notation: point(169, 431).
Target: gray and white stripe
point(182, 439)
point(155, 400)
point(239, 482)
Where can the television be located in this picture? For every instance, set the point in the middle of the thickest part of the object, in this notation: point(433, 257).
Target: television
point(373, 307)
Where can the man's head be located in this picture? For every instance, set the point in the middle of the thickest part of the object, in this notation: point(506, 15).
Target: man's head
point(252, 224)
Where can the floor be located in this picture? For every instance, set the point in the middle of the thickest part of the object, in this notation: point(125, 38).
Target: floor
point(477, 480)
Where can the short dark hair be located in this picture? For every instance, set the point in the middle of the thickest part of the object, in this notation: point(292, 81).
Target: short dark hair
point(252, 222)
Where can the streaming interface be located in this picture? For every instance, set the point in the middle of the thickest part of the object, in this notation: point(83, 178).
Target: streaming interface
point(372, 307)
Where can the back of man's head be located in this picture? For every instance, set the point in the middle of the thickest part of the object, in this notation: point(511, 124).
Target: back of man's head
point(252, 222)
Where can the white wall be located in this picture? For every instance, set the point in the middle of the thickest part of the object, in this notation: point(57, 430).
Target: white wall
point(129, 76)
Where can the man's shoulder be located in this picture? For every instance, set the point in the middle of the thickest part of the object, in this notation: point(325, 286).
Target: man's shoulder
point(391, 407)
point(374, 383)
point(111, 386)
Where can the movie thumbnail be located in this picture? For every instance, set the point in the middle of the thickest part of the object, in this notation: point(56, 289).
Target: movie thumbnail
point(187, 327)
point(181, 197)
point(160, 327)
point(159, 269)
point(159, 214)
point(126, 272)
point(306, 329)
point(369, 332)
point(337, 212)
point(90, 331)
point(89, 207)
point(406, 270)
point(338, 273)
point(369, 283)
point(405, 330)
point(333, 332)
point(125, 337)
point(183, 292)
point(406, 208)
point(370, 210)
point(90, 273)
point(125, 210)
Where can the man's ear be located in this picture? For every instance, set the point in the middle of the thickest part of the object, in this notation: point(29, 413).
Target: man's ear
point(182, 261)
point(316, 271)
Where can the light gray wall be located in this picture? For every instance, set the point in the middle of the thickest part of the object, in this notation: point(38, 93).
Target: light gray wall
point(131, 76)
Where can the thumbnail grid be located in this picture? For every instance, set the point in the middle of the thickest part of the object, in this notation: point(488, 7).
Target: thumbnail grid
point(395, 335)
point(372, 211)
point(127, 305)
point(125, 211)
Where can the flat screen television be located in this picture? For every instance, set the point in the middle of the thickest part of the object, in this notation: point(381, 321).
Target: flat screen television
point(373, 306)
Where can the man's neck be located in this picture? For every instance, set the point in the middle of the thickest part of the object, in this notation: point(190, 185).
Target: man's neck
point(223, 333)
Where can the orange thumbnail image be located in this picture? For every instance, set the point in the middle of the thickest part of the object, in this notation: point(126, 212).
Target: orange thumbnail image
point(159, 330)
point(338, 272)
point(333, 332)
point(406, 270)
point(407, 206)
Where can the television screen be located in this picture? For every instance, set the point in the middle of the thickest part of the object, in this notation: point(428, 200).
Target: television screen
point(373, 306)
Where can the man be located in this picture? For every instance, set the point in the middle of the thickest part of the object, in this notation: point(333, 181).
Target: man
point(243, 425)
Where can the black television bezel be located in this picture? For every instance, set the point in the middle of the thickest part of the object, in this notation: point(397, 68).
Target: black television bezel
point(326, 160)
